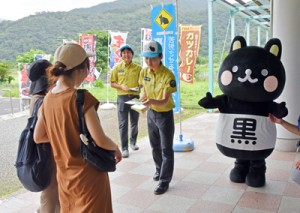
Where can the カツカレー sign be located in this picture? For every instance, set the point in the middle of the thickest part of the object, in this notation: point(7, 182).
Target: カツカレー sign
point(190, 43)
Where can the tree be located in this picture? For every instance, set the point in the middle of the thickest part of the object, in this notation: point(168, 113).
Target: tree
point(28, 57)
point(4, 73)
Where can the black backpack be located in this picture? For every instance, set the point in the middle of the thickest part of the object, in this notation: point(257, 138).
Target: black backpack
point(34, 161)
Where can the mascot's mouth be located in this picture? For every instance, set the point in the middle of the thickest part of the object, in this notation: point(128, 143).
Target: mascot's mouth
point(248, 73)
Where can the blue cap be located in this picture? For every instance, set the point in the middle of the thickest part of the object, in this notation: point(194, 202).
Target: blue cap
point(126, 46)
point(151, 49)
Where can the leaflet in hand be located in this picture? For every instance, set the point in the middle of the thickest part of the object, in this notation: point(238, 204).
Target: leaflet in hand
point(134, 89)
point(134, 101)
point(137, 105)
point(139, 108)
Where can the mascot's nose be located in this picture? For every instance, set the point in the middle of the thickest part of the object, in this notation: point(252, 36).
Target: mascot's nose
point(248, 72)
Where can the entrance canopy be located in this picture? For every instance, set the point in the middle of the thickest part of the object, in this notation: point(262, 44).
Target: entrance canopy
point(257, 11)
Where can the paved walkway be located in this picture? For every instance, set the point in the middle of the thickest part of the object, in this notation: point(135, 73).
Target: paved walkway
point(200, 184)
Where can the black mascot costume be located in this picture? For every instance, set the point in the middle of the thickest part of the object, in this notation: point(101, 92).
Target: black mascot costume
point(251, 78)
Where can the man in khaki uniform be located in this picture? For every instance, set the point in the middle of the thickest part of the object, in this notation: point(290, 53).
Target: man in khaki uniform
point(158, 84)
point(124, 77)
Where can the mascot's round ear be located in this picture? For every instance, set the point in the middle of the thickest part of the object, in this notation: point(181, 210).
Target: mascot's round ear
point(237, 43)
point(274, 47)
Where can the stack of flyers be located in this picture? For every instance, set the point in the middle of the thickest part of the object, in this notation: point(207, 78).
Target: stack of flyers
point(137, 105)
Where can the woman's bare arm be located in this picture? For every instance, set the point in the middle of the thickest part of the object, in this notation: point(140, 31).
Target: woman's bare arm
point(94, 126)
point(288, 126)
point(39, 134)
point(95, 129)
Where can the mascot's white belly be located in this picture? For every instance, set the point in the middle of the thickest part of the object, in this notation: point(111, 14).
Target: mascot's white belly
point(245, 132)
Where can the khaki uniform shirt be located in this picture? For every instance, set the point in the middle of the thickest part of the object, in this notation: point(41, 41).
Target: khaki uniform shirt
point(127, 75)
point(156, 84)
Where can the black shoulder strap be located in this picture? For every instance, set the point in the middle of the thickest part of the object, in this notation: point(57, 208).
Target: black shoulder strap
point(34, 114)
point(37, 105)
point(79, 104)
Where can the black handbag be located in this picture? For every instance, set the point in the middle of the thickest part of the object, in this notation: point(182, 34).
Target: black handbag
point(103, 160)
point(34, 161)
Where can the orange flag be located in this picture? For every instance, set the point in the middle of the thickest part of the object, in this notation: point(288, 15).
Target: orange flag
point(190, 43)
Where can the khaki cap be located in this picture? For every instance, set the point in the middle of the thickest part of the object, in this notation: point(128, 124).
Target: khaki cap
point(71, 55)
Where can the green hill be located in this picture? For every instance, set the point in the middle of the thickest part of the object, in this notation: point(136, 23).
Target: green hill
point(45, 30)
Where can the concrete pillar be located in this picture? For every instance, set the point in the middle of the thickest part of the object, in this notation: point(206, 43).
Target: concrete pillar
point(285, 24)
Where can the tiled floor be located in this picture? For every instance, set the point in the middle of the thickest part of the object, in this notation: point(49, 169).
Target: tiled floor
point(200, 183)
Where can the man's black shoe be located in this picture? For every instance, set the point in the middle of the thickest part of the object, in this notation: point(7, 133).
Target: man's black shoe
point(156, 176)
point(161, 188)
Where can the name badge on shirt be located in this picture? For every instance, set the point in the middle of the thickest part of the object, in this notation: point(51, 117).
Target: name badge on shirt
point(147, 78)
point(121, 70)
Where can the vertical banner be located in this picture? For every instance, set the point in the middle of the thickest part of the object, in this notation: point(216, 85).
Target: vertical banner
point(24, 82)
point(164, 30)
point(117, 39)
point(88, 42)
point(146, 34)
point(24, 86)
point(190, 43)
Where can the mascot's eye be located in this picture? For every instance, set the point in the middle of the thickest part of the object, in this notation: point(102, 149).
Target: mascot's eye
point(235, 68)
point(264, 72)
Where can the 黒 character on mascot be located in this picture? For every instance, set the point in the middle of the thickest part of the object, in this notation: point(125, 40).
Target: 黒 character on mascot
point(251, 78)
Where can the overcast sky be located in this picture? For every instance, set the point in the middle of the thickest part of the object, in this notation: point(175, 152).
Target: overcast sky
point(16, 9)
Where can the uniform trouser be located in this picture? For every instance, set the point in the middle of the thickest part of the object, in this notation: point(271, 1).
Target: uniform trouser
point(161, 134)
point(124, 111)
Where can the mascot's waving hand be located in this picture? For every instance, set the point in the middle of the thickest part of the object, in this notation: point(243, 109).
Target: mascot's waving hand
point(251, 78)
